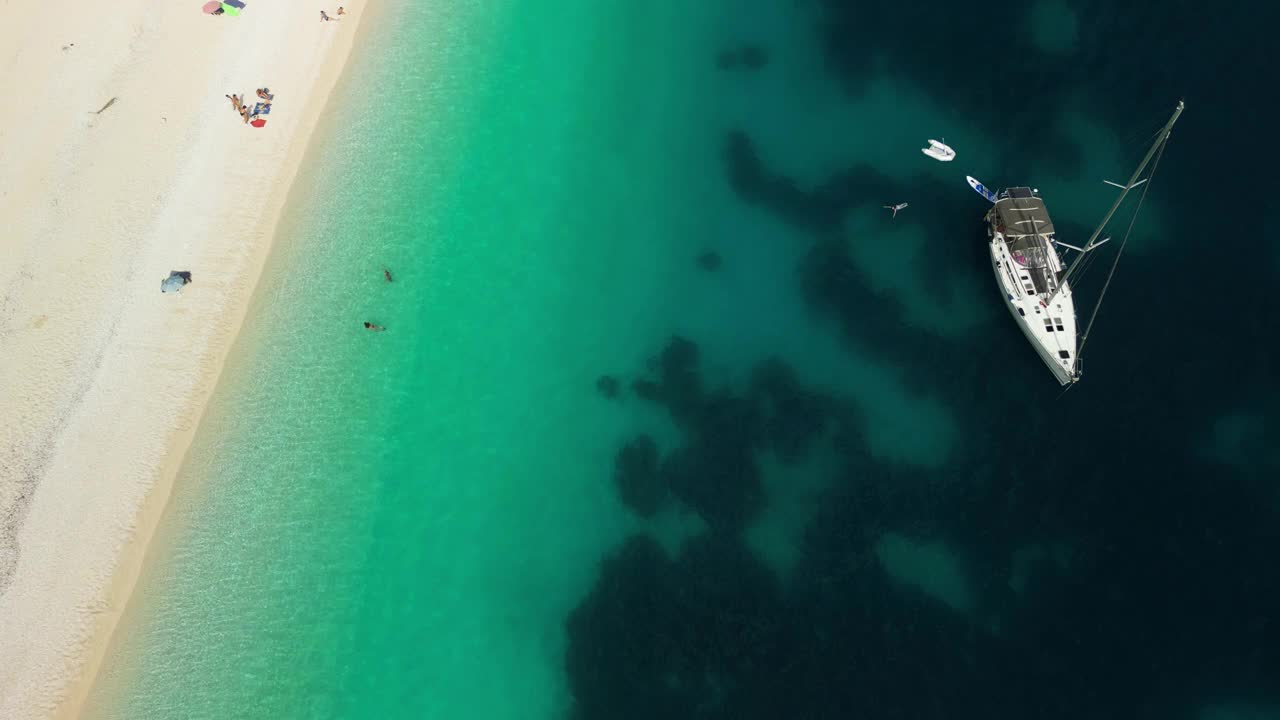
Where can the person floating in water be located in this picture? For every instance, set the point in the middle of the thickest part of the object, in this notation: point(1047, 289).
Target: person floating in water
point(895, 208)
point(374, 328)
point(386, 274)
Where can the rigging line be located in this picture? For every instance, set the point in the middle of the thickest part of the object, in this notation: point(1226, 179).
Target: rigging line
point(1139, 129)
point(1130, 184)
point(1133, 219)
point(1084, 269)
point(1086, 265)
point(1133, 148)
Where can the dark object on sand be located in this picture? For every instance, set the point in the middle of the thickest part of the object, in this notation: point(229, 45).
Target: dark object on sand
point(710, 261)
point(746, 57)
point(608, 386)
point(110, 102)
point(175, 281)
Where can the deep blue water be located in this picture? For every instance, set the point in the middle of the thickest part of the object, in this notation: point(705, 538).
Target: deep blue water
point(1107, 553)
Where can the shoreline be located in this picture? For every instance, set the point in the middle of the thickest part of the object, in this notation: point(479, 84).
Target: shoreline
point(133, 559)
point(53, 677)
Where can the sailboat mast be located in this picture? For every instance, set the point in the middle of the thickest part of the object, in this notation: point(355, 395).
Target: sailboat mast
point(1163, 135)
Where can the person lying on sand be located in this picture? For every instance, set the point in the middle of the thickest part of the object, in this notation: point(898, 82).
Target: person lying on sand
point(374, 328)
point(341, 11)
point(265, 94)
point(324, 17)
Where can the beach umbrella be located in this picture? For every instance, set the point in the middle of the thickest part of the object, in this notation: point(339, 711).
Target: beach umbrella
point(258, 123)
point(211, 7)
point(230, 9)
point(235, 3)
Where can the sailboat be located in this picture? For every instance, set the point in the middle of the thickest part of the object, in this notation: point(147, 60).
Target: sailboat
point(1034, 278)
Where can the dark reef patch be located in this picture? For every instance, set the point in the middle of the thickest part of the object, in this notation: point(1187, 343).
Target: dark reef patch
point(792, 415)
point(608, 386)
point(694, 637)
point(745, 57)
point(636, 475)
point(710, 261)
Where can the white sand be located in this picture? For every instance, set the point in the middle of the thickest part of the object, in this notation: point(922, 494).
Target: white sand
point(102, 378)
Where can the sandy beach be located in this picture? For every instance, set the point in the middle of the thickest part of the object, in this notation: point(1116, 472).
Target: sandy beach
point(121, 159)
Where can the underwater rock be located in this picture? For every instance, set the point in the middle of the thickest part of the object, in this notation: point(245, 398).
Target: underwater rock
point(720, 482)
point(623, 661)
point(635, 472)
point(793, 415)
point(745, 57)
point(608, 386)
point(678, 387)
point(648, 390)
point(710, 261)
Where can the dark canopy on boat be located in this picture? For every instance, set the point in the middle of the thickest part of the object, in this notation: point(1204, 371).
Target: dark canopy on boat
point(1023, 216)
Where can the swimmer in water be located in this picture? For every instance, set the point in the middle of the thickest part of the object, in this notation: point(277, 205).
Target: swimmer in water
point(375, 328)
point(386, 274)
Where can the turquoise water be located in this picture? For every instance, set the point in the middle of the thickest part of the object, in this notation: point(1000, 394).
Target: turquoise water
point(402, 524)
point(397, 524)
point(373, 525)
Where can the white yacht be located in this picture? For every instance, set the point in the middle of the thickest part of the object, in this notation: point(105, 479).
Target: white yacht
point(1031, 274)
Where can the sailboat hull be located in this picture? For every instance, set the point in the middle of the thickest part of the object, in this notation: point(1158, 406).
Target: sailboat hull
point(1065, 375)
point(1028, 273)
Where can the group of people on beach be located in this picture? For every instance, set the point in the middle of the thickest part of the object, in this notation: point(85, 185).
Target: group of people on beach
point(324, 16)
point(262, 107)
point(371, 326)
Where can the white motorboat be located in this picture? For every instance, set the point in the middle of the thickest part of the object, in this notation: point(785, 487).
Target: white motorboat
point(939, 151)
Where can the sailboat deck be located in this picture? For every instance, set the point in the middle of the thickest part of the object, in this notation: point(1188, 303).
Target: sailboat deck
point(1022, 216)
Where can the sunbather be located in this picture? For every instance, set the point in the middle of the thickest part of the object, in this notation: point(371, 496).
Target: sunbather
point(265, 94)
